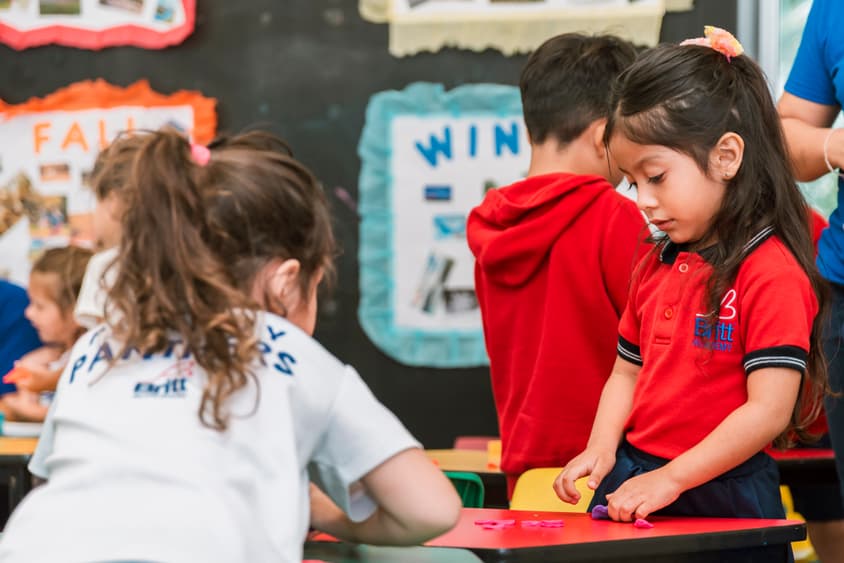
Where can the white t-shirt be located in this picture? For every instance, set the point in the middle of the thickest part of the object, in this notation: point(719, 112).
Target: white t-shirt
point(132, 474)
point(91, 302)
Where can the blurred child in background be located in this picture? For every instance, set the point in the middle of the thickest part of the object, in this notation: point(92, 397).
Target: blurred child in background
point(108, 181)
point(54, 284)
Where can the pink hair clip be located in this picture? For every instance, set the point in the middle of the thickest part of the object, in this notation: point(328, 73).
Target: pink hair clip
point(200, 154)
point(719, 39)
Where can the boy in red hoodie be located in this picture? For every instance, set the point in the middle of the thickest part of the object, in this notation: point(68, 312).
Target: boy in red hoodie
point(554, 253)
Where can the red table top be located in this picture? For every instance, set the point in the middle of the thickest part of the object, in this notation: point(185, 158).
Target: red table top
point(580, 528)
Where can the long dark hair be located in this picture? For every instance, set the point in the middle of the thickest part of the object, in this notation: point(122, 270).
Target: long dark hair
point(196, 235)
point(685, 98)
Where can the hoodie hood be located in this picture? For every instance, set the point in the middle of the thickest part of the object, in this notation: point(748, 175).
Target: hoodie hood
point(514, 228)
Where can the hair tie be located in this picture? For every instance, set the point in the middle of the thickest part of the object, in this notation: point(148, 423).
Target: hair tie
point(200, 154)
point(719, 39)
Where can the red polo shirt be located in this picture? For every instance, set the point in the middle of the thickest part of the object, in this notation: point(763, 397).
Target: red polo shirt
point(692, 379)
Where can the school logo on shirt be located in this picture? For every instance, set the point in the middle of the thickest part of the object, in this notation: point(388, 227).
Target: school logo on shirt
point(722, 335)
point(172, 382)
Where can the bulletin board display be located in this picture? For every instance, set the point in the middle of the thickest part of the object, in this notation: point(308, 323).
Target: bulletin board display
point(95, 24)
point(511, 26)
point(48, 147)
point(428, 157)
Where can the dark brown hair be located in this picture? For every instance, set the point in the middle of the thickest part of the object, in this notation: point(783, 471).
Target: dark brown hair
point(686, 98)
point(68, 264)
point(194, 239)
point(566, 82)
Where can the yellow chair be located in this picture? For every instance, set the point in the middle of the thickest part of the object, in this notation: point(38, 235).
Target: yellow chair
point(534, 491)
point(803, 550)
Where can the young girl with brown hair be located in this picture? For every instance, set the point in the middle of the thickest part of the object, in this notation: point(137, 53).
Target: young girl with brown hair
point(188, 428)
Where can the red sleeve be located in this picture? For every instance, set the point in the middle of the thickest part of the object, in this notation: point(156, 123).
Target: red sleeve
point(629, 327)
point(777, 307)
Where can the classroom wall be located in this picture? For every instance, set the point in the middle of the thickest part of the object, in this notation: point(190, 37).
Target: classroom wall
point(306, 69)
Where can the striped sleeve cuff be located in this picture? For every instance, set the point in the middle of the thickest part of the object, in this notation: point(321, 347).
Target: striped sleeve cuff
point(791, 357)
point(629, 351)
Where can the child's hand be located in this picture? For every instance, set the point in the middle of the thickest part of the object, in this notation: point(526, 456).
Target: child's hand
point(641, 495)
point(32, 377)
point(23, 406)
point(593, 462)
point(326, 516)
point(31, 371)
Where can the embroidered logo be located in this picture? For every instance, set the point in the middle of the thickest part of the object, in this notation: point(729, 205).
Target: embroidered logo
point(724, 330)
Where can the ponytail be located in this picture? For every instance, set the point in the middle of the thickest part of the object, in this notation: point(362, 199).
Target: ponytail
point(169, 277)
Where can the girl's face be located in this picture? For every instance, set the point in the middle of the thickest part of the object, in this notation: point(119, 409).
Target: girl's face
point(106, 221)
point(677, 197)
point(54, 325)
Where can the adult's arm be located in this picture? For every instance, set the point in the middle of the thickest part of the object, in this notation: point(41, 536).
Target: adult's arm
point(806, 125)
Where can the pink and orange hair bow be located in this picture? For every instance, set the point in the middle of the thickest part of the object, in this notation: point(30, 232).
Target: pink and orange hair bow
point(719, 39)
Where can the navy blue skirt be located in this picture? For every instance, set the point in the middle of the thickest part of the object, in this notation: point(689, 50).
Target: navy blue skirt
point(751, 490)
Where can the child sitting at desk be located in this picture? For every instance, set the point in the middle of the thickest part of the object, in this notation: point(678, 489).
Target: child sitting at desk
point(53, 286)
point(187, 427)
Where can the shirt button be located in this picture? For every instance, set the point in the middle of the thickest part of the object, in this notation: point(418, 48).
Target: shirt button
point(669, 313)
point(684, 268)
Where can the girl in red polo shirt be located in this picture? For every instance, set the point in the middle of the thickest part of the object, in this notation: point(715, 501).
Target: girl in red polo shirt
point(722, 320)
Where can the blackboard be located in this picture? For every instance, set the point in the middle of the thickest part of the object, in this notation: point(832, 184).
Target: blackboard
point(305, 69)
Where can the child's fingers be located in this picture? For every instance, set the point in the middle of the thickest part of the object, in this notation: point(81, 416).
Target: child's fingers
point(602, 467)
point(564, 484)
point(15, 376)
point(645, 510)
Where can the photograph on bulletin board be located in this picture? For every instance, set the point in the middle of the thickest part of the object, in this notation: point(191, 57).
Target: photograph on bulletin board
point(428, 157)
point(48, 147)
point(95, 24)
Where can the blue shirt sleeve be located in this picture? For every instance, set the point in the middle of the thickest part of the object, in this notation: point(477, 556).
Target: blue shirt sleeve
point(17, 336)
point(811, 75)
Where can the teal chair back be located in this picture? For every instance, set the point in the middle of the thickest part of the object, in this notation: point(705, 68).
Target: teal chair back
point(469, 486)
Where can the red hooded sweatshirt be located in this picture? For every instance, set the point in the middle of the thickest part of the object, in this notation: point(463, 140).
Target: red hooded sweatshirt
point(554, 255)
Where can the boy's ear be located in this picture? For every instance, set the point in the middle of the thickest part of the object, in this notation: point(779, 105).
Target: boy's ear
point(726, 156)
point(598, 127)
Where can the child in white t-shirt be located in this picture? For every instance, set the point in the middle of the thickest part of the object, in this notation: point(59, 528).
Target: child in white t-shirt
point(108, 181)
point(190, 427)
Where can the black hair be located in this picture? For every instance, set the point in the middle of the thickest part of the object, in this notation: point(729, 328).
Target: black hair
point(566, 82)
